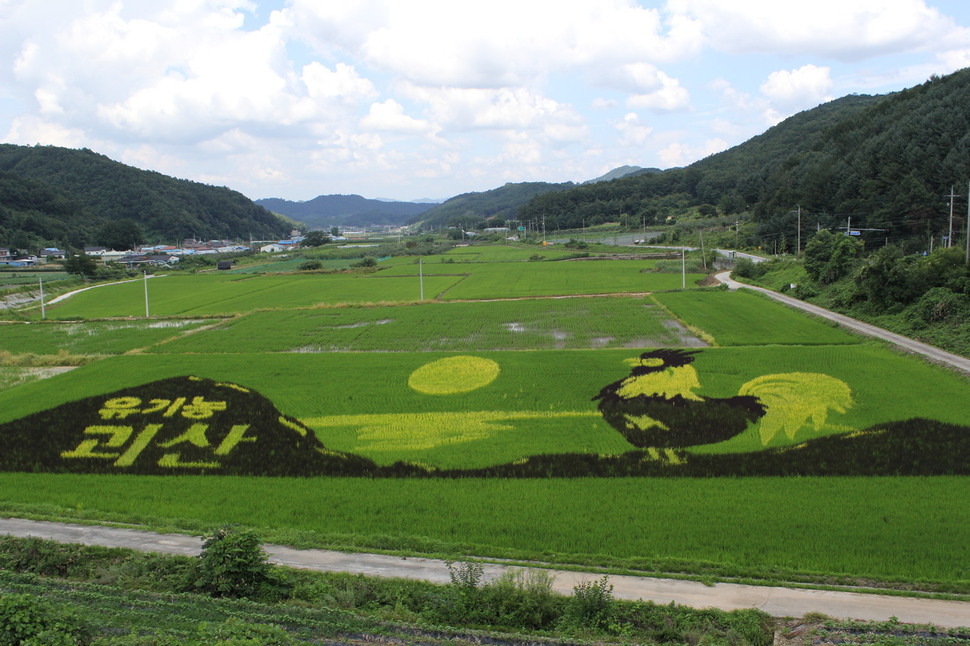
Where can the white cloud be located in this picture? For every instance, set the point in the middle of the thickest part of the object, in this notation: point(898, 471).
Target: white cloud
point(804, 87)
point(28, 130)
point(495, 44)
point(632, 132)
point(519, 109)
point(389, 116)
point(841, 29)
point(341, 84)
point(669, 97)
point(680, 154)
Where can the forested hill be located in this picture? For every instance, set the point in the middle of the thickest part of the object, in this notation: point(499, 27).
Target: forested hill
point(883, 161)
point(66, 197)
point(325, 211)
point(495, 206)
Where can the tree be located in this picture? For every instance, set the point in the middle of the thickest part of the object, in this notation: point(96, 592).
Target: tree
point(121, 235)
point(889, 280)
point(829, 256)
point(81, 265)
point(334, 232)
point(315, 239)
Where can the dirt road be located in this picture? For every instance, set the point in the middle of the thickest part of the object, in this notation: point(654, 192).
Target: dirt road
point(776, 601)
point(934, 354)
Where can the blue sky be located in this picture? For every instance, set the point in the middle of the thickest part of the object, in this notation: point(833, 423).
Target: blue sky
point(410, 99)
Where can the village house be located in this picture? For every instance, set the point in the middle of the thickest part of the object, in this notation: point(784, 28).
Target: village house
point(52, 253)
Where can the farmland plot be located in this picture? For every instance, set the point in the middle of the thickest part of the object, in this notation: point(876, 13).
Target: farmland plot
point(378, 405)
point(225, 294)
point(896, 529)
point(524, 279)
point(569, 323)
point(744, 317)
point(91, 337)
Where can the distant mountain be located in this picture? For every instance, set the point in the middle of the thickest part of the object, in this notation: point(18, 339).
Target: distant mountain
point(622, 171)
point(325, 211)
point(471, 209)
point(66, 197)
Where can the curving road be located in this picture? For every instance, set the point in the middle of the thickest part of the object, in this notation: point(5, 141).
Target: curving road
point(776, 601)
point(930, 352)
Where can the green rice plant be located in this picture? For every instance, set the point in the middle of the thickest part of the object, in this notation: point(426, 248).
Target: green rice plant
point(567, 323)
point(744, 317)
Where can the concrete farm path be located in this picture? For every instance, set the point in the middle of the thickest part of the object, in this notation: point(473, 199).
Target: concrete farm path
point(776, 601)
point(932, 353)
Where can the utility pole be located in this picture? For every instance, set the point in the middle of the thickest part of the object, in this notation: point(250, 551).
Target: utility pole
point(949, 239)
point(703, 257)
point(683, 268)
point(43, 310)
point(146, 293)
point(798, 248)
point(967, 232)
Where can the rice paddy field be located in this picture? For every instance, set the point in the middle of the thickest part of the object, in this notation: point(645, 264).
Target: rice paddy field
point(471, 379)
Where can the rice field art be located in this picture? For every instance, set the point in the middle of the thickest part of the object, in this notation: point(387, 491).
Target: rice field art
point(663, 412)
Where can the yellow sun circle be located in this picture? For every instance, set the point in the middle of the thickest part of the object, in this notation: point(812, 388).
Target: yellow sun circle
point(453, 375)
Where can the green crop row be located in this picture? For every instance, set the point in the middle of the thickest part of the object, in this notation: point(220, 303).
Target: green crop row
point(573, 323)
point(887, 528)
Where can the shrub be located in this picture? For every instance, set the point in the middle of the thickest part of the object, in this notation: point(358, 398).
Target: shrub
point(366, 262)
point(311, 265)
point(592, 605)
point(523, 600)
point(747, 268)
point(25, 619)
point(937, 305)
point(42, 557)
point(233, 564)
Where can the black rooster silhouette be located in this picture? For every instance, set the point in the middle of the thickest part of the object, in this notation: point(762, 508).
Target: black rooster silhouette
point(655, 406)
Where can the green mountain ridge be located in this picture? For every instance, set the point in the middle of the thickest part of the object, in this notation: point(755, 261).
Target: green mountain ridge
point(62, 196)
point(884, 162)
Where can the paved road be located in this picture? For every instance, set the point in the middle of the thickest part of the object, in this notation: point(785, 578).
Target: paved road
point(778, 602)
point(934, 354)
